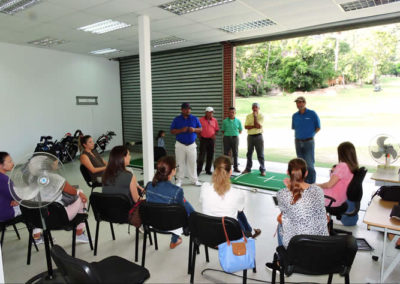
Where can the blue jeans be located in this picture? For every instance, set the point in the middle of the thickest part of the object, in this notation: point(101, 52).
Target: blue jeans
point(244, 224)
point(349, 220)
point(305, 150)
point(189, 209)
point(279, 235)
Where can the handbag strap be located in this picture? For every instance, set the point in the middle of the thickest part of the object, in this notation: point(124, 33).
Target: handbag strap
point(226, 234)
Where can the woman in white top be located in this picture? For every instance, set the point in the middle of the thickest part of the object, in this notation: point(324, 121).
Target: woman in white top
point(221, 199)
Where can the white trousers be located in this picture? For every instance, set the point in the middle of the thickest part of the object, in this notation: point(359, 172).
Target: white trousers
point(186, 160)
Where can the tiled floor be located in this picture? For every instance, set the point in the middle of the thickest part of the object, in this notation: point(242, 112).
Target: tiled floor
point(170, 266)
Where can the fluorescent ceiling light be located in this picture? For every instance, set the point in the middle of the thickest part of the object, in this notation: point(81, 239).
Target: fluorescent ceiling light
point(248, 26)
point(166, 41)
point(181, 7)
point(362, 4)
point(104, 51)
point(14, 6)
point(104, 27)
point(47, 42)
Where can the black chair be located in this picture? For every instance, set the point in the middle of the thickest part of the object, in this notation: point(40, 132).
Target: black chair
point(88, 179)
point(113, 269)
point(161, 218)
point(55, 218)
point(13, 222)
point(208, 231)
point(354, 193)
point(112, 208)
point(159, 152)
point(315, 255)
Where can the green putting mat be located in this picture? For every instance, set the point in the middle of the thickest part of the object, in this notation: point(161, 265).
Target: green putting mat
point(271, 181)
point(136, 163)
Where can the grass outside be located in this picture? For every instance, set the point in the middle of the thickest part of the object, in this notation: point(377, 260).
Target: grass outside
point(349, 113)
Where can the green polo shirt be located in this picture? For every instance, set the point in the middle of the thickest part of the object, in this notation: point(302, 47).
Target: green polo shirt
point(231, 127)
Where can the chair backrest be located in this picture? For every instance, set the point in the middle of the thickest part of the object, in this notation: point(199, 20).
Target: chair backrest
point(86, 175)
point(355, 189)
point(74, 270)
point(163, 217)
point(158, 153)
point(208, 230)
point(317, 255)
point(112, 208)
point(54, 215)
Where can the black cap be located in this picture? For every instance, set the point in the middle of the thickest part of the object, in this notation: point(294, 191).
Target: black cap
point(185, 106)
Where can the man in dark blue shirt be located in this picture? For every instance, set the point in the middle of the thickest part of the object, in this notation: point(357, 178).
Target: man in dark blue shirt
point(306, 124)
point(185, 127)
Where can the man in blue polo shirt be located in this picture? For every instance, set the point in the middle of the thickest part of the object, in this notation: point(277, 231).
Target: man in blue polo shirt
point(306, 124)
point(185, 127)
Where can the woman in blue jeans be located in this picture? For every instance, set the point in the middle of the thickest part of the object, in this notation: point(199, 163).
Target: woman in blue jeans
point(161, 190)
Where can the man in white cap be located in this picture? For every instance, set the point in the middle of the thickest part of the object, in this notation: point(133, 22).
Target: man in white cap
point(209, 129)
point(253, 124)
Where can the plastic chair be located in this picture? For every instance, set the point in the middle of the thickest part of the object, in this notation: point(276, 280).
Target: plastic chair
point(13, 222)
point(208, 231)
point(315, 255)
point(112, 208)
point(113, 269)
point(55, 218)
point(161, 218)
point(88, 179)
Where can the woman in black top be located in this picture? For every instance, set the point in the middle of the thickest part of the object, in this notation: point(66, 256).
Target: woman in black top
point(91, 159)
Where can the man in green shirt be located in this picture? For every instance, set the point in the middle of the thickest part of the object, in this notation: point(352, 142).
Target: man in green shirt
point(231, 128)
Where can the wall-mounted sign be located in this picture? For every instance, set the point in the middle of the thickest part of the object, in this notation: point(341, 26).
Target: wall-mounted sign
point(86, 100)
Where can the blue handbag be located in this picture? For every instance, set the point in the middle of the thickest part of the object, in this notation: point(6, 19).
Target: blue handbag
point(236, 255)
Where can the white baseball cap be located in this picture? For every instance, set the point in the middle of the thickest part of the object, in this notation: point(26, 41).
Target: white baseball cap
point(209, 109)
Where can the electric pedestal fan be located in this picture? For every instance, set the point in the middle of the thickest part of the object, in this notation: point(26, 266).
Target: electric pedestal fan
point(37, 182)
point(384, 149)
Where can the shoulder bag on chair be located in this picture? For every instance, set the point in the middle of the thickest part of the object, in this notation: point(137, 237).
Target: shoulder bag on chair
point(236, 255)
point(134, 216)
point(389, 193)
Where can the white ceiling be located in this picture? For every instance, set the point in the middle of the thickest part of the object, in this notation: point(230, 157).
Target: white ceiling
point(60, 19)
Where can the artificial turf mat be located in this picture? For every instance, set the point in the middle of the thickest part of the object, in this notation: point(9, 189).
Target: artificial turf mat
point(271, 181)
point(136, 163)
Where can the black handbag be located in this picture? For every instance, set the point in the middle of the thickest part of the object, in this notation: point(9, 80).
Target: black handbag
point(389, 193)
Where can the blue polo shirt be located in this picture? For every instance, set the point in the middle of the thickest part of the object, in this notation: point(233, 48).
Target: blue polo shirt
point(304, 125)
point(180, 122)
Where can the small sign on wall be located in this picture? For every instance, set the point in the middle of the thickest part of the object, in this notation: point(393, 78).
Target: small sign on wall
point(86, 100)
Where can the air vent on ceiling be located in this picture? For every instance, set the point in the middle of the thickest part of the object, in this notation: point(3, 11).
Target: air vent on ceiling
point(47, 42)
point(13, 6)
point(362, 4)
point(166, 41)
point(181, 7)
point(253, 25)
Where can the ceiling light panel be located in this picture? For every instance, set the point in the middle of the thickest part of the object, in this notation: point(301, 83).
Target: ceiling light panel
point(363, 4)
point(13, 6)
point(104, 51)
point(181, 7)
point(104, 27)
point(166, 41)
point(47, 42)
point(253, 25)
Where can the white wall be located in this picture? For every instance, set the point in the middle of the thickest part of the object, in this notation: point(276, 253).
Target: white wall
point(38, 87)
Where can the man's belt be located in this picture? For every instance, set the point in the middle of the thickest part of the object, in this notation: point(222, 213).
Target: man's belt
point(305, 140)
point(186, 144)
point(255, 134)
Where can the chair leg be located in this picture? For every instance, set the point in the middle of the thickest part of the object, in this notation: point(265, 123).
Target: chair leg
point(245, 276)
point(206, 251)
point(195, 248)
point(137, 245)
point(144, 247)
point(88, 234)
point(96, 238)
point(273, 278)
point(347, 278)
point(112, 231)
point(330, 278)
point(16, 231)
point(89, 199)
point(3, 230)
point(73, 241)
point(255, 267)
point(155, 241)
point(281, 276)
point(129, 229)
point(190, 253)
point(150, 238)
point(30, 240)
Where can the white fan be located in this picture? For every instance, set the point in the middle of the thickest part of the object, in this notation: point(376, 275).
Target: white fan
point(384, 149)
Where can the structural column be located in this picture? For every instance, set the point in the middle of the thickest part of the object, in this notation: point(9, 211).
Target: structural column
point(146, 96)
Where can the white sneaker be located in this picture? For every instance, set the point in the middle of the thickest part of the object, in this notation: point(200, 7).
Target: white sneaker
point(178, 183)
point(197, 183)
point(82, 238)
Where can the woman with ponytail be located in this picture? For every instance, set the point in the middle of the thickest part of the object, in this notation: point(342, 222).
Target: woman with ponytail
point(220, 199)
point(162, 190)
point(301, 204)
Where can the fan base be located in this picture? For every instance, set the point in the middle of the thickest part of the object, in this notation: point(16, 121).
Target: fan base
point(45, 278)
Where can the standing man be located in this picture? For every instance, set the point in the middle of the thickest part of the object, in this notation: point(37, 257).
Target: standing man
point(306, 124)
point(209, 126)
point(253, 124)
point(185, 127)
point(231, 128)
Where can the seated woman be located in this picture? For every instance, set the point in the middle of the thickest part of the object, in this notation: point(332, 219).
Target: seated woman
point(341, 175)
point(9, 208)
point(220, 199)
point(302, 206)
point(117, 179)
point(161, 190)
point(91, 159)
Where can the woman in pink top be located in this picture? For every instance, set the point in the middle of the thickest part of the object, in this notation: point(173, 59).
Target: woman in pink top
point(341, 174)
